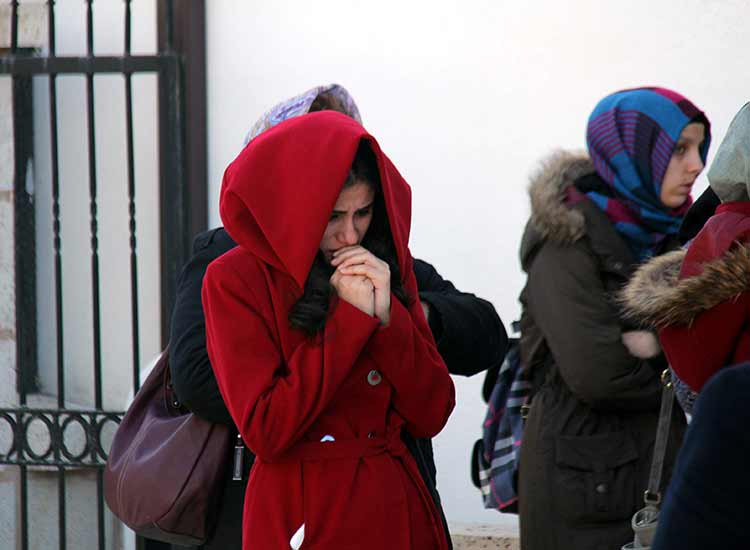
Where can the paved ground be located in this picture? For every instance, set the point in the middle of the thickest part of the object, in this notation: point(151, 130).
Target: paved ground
point(483, 537)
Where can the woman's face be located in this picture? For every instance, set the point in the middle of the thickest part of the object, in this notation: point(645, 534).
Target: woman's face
point(684, 166)
point(350, 218)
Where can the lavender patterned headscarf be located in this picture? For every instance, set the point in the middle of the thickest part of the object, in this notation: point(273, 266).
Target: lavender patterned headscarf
point(300, 105)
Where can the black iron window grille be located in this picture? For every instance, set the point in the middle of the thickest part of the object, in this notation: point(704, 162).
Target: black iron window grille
point(60, 439)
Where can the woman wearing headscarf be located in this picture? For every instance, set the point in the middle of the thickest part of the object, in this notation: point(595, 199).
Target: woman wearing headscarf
point(588, 440)
point(320, 348)
point(469, 334)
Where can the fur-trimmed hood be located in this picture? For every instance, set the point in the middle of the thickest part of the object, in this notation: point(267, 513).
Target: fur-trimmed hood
point(550, 216)
point(656, 296)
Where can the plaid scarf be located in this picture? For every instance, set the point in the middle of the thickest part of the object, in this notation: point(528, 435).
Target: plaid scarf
point(630, 136)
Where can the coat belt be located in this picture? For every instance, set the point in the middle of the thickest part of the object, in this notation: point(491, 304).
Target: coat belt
point(343, 448)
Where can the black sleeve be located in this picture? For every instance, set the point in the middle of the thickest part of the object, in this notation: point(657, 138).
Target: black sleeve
point(698, 215)
point(192, 376)
point(469, 334)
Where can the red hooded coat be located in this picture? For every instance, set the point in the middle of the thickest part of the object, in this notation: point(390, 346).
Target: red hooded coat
point(357, 382)
point(716, 294)
point(699, 298)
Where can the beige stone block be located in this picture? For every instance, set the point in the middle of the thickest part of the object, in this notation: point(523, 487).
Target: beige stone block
point(9, 478)
point(8, 395)
point(32, 24)
point(6, 137)
point(7, 306)
point(7, 262)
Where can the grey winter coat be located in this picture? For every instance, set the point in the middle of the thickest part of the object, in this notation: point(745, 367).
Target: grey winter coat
point(588, 440)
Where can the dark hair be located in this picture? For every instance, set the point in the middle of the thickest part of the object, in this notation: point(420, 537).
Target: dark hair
point(310, 312)
point(327, 102)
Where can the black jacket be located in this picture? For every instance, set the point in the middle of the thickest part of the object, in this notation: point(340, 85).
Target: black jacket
point(469, 334)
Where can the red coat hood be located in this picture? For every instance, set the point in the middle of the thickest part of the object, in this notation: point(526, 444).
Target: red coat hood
point(729, 226)
point(278, 194)
point(675, 288)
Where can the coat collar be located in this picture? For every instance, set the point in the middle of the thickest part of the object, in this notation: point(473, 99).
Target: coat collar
point(554, 219)
point(657, 296)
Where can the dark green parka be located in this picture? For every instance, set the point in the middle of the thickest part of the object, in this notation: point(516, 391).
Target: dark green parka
point(588, 441)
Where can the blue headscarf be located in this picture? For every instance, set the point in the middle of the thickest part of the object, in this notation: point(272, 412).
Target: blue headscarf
point(631, 135)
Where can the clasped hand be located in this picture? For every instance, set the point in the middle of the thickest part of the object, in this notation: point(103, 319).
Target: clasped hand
point(363, 280)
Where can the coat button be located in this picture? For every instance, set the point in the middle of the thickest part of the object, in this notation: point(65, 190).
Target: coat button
point(601, 488)
point(374, 378)
point(370, 435)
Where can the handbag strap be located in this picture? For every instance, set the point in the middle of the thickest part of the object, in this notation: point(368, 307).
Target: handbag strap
point(652, 496)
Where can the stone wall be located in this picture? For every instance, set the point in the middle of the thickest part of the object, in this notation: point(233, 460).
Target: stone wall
point(8, 396)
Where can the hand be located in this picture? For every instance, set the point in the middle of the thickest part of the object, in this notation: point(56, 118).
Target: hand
point(355, 260)
point(641, 343)
point(355, 289)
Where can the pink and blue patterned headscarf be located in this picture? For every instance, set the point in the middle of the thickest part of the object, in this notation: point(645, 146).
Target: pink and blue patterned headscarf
point(300, 105)
point(631, 135)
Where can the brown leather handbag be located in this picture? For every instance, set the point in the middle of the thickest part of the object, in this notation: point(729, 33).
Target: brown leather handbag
point(166, 467)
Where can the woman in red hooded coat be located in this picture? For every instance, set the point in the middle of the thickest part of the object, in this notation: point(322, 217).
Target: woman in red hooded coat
point(321, 352)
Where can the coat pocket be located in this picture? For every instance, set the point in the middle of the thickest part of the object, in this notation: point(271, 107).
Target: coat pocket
point(595, 477)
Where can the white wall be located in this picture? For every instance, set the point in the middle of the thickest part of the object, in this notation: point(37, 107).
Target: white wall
point(466, 96)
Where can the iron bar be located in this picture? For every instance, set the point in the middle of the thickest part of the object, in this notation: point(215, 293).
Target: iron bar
point(132, 228)
point(51, 26)
point(89, 28)
point(24, 508)
point(131, 208)
point(94, 243)
point(62, 526)
point(170, 26)
point(95, 295)
point(127, 26)
point(14, 26)
point(62, 508)
point(55, 171)
point(25, 236)
point(100, 506)
point(175, 235)
point(19, 65)
point(182, 107)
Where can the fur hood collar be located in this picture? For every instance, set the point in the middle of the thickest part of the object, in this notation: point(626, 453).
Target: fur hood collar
point(551, 218)
point(554, 219)
point(656, 297)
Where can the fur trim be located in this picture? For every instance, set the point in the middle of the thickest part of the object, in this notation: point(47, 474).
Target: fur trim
point(549, 214)
point(656, 297)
